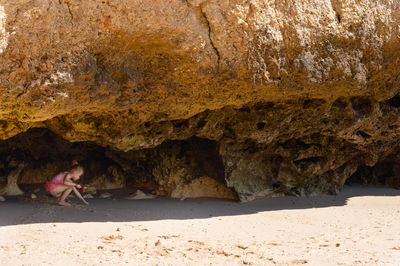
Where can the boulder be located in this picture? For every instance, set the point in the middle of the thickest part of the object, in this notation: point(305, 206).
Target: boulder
point(203, 187)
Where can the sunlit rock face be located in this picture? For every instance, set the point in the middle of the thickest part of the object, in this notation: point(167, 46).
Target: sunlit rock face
point(278, 97)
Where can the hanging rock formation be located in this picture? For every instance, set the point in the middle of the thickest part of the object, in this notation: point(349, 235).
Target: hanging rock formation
point(12, 188)
point(287, 97)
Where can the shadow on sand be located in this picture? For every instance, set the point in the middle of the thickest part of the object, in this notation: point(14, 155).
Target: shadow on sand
point(17, 211)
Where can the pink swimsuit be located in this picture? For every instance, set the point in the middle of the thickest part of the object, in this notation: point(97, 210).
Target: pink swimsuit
point(55, 182)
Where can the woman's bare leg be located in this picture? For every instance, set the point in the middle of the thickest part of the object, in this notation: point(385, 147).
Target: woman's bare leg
point(80, 196)
point(58, 190)
point(64, 195)
point(65, 191)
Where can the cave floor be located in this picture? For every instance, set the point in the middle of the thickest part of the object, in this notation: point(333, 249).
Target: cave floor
point(360, 226)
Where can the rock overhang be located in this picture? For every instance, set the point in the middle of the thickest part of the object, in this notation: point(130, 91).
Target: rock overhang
point(291, 83)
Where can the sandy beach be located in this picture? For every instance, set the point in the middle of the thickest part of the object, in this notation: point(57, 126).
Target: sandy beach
point(360, 226)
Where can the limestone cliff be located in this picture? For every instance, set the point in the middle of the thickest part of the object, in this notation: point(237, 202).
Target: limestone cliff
point(287, 97)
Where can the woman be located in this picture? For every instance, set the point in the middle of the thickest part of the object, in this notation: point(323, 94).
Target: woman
point(63, 184)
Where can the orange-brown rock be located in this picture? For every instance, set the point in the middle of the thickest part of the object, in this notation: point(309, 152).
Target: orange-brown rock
point(296, 95)
point(203, 187)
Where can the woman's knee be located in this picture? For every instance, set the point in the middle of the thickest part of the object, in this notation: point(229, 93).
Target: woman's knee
point(60, 189)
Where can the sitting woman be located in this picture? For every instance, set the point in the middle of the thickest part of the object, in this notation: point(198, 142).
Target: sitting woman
point(63, 184)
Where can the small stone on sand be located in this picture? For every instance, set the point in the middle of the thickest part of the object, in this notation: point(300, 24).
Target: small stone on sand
point(105, 195)
point(140, 195)
point(33, 196)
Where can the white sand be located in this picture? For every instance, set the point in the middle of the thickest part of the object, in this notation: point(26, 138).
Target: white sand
point(360, 226)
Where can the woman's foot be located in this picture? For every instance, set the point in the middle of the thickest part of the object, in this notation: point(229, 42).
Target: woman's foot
point(63, 203)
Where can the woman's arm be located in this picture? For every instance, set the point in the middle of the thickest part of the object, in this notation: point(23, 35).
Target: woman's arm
point(79, 196)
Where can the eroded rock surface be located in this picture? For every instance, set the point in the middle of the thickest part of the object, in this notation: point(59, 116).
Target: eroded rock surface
point(295, 96)
point(12, 188)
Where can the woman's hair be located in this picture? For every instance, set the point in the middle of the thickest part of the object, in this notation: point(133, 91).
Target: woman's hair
point(75, 166)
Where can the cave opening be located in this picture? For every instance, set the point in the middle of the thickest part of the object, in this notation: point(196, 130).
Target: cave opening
point(204, 157)
point(44, 154)
point(385, 173)
point(160, 170)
